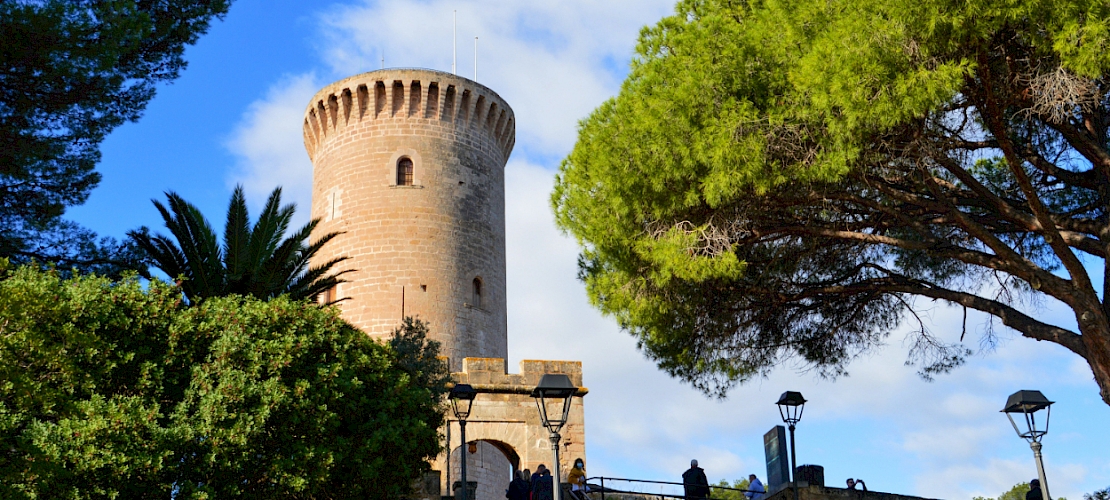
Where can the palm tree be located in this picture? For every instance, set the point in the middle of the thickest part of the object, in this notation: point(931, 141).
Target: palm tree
point(252, 261)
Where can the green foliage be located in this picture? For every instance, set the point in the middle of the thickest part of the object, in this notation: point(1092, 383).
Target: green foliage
point(1016, 493)
point(1103, 494)
point(112, 391)
point(70, 72)
point(780, 179)
point(719, 494)
point(253, 261)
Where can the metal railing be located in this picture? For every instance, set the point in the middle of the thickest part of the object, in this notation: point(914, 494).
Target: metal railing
point(603, 489)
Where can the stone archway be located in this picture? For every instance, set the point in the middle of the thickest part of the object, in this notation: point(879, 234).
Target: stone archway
point(491, 465)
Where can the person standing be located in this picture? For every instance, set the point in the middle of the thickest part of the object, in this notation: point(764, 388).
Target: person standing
point(519, 488)
point(1034, 490)
point(543, 487)
point(694, 482)
point(577, 476)
point(755, 488)
point(536, 476)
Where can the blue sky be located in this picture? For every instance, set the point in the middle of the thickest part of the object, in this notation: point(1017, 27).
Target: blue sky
point(234, 117)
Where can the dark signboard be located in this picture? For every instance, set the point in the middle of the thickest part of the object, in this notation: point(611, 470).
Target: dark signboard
point(778, 464)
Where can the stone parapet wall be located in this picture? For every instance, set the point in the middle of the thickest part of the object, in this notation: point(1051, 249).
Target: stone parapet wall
point(828, 493)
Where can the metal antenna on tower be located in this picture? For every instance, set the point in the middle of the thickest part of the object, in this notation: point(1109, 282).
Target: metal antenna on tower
point(383, 58)
point(475, 58)
point(454, 40)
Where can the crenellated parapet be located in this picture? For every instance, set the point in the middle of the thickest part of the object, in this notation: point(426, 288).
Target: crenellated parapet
point(396, 96)
point(489, 375)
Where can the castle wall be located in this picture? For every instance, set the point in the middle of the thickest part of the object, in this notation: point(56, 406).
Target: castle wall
point(417, 249)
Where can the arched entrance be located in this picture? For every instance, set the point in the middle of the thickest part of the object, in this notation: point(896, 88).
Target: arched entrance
point(490, 463)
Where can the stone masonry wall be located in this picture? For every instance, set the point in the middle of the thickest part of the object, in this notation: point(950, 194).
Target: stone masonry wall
point(815, 492)
point(416, 250)
point(488, 466)
point(505, 415)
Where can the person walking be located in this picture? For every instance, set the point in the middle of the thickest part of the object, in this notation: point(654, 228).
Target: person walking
point(694, 482)
point(755, 488)
point(519, 488)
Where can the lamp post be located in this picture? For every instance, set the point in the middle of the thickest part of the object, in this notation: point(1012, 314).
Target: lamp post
point(554, 387)
point(1028, 403)
point(791, 404)
point(462, 399)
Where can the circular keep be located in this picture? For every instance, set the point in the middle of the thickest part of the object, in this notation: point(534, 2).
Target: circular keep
point(409, 165)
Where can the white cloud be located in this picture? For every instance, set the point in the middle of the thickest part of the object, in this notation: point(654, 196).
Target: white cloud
point(553, 62)
point(269, 147)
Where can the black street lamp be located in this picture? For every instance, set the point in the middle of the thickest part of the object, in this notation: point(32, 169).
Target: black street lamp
point(554, 387)
point(1028, 403)
point(791, 404)
point(462, 399)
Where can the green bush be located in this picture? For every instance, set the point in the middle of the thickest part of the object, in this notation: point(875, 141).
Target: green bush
point(112, 390)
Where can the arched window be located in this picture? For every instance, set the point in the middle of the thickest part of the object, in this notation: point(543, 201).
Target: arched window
point(478, 292)
point(404, 172)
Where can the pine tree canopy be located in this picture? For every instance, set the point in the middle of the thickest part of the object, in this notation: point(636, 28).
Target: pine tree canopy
point(71, 71)
point(791, 179)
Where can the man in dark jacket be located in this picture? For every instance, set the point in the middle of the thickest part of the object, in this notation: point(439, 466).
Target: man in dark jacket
point(536, 476)
point(694, 482)
point(543, 488)
point(1034, 490)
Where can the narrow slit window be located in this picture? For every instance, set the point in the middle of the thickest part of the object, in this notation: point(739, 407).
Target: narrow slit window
point(478, 292)
point(404, 172)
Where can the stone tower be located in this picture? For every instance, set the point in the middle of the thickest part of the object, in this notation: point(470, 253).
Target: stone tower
point(409, 165)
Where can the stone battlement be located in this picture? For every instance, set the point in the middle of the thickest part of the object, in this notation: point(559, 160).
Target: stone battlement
point(398, 95)
point(489, 375)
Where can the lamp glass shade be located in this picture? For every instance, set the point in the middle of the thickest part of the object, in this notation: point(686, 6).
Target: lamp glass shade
point(554, 386)
point(462, 398)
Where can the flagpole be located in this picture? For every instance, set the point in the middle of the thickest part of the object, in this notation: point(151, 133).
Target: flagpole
point(454, 40)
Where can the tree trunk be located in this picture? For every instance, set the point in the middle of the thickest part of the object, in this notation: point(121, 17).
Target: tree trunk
point(1098, 357)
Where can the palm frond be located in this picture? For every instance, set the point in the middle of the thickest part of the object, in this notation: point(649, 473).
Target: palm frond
point(268, 230)
point(198, 243)
point(237, 234)
point(257, 261)
point(316, 280)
